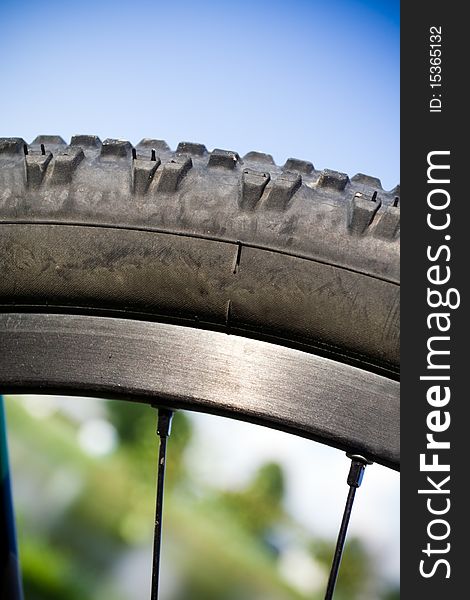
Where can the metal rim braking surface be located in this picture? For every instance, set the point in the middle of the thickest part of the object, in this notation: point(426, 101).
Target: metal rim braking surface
point(180, 367)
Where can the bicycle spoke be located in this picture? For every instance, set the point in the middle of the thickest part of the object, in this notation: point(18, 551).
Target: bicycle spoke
point(356, 473)
point(163, 431)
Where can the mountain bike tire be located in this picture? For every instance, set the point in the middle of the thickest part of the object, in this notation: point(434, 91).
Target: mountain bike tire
point(203, 280)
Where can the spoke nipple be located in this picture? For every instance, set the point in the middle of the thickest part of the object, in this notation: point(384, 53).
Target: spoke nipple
point(164, 422)
point(356, 472)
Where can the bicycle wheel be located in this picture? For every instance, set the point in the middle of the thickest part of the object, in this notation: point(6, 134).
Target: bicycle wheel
point(203, 281)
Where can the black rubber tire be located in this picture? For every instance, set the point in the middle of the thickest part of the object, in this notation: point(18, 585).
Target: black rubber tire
point(290, 254)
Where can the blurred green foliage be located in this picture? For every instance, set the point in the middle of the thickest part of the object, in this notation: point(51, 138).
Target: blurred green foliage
point(83, 520)
point(49, 573)
point(258, 507)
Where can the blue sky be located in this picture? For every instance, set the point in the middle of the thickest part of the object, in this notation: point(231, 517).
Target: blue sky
point(313, 80)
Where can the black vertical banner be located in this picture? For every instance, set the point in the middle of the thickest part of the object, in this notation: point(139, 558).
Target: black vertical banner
point(435, 324)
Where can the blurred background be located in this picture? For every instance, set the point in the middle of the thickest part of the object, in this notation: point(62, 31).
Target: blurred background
point(249, 513)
